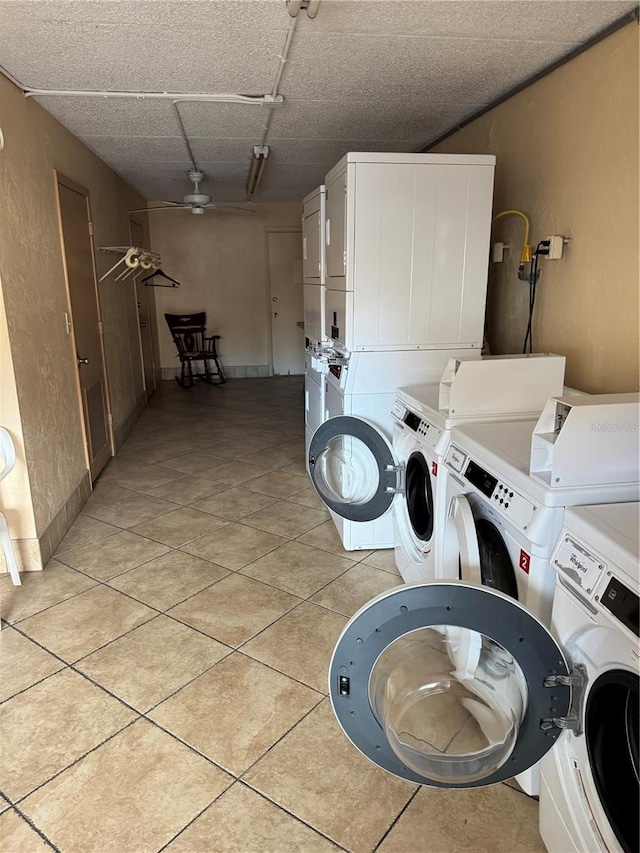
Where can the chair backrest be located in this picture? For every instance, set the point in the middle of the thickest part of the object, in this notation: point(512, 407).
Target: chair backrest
point(7, 453)
point(187, 331)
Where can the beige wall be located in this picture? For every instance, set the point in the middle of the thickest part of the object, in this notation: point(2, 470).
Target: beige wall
point(221, 262)
point(40, 402)
point(567, 154)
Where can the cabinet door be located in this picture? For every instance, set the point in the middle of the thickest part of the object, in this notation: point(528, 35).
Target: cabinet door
point(336, 228)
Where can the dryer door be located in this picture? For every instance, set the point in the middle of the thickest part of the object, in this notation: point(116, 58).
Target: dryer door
point(477, 546)
point(449, 684)
point(353, 467)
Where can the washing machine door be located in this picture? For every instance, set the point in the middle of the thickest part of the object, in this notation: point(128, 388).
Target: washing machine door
point(354, 468)
point(477, 546)
point(449, 684)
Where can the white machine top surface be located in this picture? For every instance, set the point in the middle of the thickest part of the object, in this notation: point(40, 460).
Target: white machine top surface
point(505, 447)
point(611, 529)
point(424, 401)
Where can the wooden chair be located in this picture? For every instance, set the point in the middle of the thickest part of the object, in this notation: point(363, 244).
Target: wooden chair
point(189, 335)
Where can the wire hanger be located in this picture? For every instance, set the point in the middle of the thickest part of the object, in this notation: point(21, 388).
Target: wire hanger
point(173, 282)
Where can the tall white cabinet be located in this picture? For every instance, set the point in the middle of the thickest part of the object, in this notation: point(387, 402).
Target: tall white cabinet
point(406, 250)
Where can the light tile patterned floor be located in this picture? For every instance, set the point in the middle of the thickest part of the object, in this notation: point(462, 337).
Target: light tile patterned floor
point(163, 681)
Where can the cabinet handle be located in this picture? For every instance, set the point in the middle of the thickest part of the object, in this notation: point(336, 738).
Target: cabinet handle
point(328, 233)
point(306, 401)
point(304, 248)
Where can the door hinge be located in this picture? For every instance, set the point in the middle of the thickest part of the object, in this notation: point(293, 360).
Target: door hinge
point(399, 471)
point(577, 681)
point(90, 224)
point(100, 329)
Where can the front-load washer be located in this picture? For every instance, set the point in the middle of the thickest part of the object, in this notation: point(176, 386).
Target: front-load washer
point(589, 791)
point(503, 508)
point(344, 448)
point(361, 387)
point(512, 387)
point(458, 685)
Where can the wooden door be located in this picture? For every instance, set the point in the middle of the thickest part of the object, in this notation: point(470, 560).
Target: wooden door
point(285, 276)
point(144, 316)
point(86, 327)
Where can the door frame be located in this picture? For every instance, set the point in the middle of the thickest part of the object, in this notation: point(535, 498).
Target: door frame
point(59, 178)
point(135, 279)
point(275, 229)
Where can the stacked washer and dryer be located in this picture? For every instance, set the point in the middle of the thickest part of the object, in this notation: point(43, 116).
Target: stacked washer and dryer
point(405, 244)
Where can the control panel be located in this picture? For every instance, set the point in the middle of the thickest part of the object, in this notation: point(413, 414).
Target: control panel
point(501, 495)
point(422, 427)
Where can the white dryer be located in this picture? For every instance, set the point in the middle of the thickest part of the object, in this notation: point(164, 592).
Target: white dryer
point(458, 685)
point(589, 793)
point(513, 387)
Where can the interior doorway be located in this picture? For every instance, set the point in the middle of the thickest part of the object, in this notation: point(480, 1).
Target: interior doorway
point(83, 323)
point(144, 315)
point(284, 250)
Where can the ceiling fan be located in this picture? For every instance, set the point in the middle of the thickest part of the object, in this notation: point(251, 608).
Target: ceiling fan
point(197, 202)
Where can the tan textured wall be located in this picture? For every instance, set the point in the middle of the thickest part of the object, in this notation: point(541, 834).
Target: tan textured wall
point(35, 300)
point(567, 154)
point(221, 262)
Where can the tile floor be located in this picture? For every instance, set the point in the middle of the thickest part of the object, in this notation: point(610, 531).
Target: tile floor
point(163, 681)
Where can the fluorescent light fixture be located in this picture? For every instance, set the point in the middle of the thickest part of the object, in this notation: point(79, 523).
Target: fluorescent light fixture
point(258, 161)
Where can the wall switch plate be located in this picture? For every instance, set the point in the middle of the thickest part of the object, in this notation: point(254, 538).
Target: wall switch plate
point(498, 252)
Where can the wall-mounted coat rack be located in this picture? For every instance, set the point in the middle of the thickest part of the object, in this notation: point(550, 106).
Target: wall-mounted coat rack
point(134, 260)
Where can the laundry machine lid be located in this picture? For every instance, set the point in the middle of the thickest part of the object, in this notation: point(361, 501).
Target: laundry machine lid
point(449, 684)
point(354, 468)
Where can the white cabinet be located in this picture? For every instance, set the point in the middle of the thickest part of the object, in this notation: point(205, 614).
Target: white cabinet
point(408, 236)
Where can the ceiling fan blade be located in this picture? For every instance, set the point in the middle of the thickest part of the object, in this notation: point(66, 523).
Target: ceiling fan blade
point(175, 203)
point(147, 209)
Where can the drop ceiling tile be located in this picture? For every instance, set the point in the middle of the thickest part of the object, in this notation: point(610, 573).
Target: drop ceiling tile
point(87, 56)
point(501, 19)
point(224, 120)
point(113, 117)
point(193, 14)
point(138, 150)
point(382, 120)
point(218, 150)
point(463, 70)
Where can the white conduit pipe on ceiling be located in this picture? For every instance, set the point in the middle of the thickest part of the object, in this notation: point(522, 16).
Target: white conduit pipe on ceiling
point(211, 97)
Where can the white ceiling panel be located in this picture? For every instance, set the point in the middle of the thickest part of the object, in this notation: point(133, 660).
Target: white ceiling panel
point(71, 55)
point(117, 150)
point(118, 117)
point(544, 20)
point(224, 121)
point(363, 75)
point(194, 14)
point(364, 119)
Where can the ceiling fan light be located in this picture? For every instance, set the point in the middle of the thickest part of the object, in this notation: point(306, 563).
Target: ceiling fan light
point(197, 198)
point(197, 210)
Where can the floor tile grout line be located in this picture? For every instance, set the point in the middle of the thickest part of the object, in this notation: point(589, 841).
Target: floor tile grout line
point(30, 822)
point(77, 760)
point(197, 817)
point(291, 814)
point(397, 818)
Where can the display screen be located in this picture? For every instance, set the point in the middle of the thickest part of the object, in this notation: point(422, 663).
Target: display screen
point(623, 603)
point(335, 369)
point(479, 478)
point(412, 421)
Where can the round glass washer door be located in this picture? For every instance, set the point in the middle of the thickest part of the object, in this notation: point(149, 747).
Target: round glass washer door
point(353, 468)
point(443, 683)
